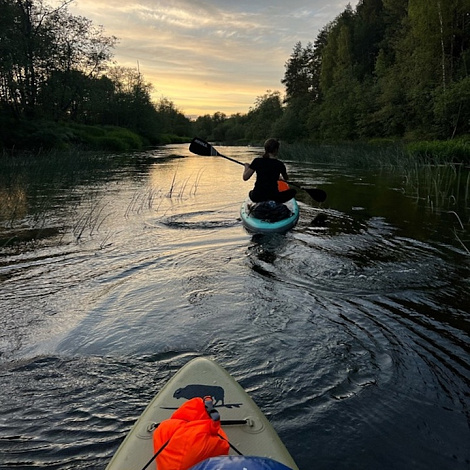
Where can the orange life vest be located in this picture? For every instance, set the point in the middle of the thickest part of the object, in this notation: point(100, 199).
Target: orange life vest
point(188, 437)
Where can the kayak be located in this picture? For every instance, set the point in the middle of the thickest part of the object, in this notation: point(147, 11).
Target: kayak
point(247, 429)
point(256, 224)
point(269, 216)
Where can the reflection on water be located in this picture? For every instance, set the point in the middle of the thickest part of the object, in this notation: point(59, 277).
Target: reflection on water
point(351, 331)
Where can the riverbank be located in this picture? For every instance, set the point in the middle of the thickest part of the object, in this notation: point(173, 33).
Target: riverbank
point(40, 136)
point(381, 152)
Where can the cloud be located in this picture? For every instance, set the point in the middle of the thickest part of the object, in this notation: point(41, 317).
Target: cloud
point(209, 55)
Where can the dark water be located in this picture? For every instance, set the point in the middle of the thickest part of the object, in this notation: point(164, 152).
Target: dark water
point(352, 336)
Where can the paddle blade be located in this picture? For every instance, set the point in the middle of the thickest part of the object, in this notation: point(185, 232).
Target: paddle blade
point(317, 194)
point(201, 147)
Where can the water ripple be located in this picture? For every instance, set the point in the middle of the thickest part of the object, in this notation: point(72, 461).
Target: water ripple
point(352, 334)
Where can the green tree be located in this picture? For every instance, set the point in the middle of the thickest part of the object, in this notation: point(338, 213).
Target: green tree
point(173, 120)
point(339, 85)
point(236, 128)
point(368, 34)
point(391, 113)
point(37, 42)
point(263, 116)
point(429, 58)
point(294, 124)
point(452, 109)
point(303, 89)
point(130, 105)
point(203, 126)
point(387, 68)
point(300, 78)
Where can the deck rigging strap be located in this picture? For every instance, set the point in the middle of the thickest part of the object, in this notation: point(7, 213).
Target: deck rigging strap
point(213, 413)
point(270, 211)
point(158, 451)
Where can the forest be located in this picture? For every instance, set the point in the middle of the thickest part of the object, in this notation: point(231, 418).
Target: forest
point(385, 70)
point(59, 87)
point(389, 69)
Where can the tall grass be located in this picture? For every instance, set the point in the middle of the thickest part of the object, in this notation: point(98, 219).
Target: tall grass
point(379, 153)
point(90, 221)
point(353, 155)
point(51, 135)
point(441, 152)
point(434, 172)
point(440, 185)
point(144, 200)
point(179, 189)
point(31, 183)
point(110, 138)
point(153, 198)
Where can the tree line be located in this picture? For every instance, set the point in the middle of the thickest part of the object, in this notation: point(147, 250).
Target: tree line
point(57, 83)
point(386, 69)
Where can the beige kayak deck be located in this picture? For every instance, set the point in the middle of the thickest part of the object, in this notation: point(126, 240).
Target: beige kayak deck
point(198, 378)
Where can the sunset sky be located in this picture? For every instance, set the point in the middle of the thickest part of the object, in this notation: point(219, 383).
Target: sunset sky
point(210, 55)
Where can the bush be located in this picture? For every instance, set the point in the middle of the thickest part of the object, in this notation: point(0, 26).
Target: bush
point(109, 142)
point(129, 139)
point(50, 135)
point(164, 139)
point(105, 138)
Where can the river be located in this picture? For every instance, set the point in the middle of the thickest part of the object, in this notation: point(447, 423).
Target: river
point(351, 335)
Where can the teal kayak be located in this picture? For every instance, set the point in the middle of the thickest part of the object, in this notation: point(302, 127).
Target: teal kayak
point(256, 223)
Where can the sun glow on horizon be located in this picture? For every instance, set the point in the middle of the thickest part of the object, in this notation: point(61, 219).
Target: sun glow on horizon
point(209, 56)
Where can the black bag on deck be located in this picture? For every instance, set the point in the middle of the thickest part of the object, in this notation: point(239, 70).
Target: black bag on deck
point(270, 211)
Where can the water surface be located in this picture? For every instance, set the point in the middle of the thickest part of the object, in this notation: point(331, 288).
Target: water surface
point(352, 335)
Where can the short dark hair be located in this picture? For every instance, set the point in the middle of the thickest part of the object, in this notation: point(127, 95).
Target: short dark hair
point(271, 146)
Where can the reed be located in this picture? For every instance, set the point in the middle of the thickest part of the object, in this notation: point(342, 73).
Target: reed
point(457, 237)
point(30, 184)
point(90, 220)
point(441, 185)
point(353, 155)
point(195, 185)
point(179, 189)
point(144, 201)
point(440, 152)
point(434, 172)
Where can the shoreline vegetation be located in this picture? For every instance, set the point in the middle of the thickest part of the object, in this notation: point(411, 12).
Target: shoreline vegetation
point(385, 84)
point(435, 173)
point(383, 72)
point(439, 186)
point(41, 137)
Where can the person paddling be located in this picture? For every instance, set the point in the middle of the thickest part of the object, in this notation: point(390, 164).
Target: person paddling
point(268, 171)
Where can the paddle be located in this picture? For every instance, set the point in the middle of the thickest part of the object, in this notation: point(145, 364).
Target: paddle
point(201, 147)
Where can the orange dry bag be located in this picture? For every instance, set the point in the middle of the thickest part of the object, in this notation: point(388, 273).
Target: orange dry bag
point(191, 435)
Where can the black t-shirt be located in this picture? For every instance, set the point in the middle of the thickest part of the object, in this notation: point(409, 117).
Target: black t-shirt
point(268, 171)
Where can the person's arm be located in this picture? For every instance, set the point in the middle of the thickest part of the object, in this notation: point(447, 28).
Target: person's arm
point(248, 172)
point(284, 174)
